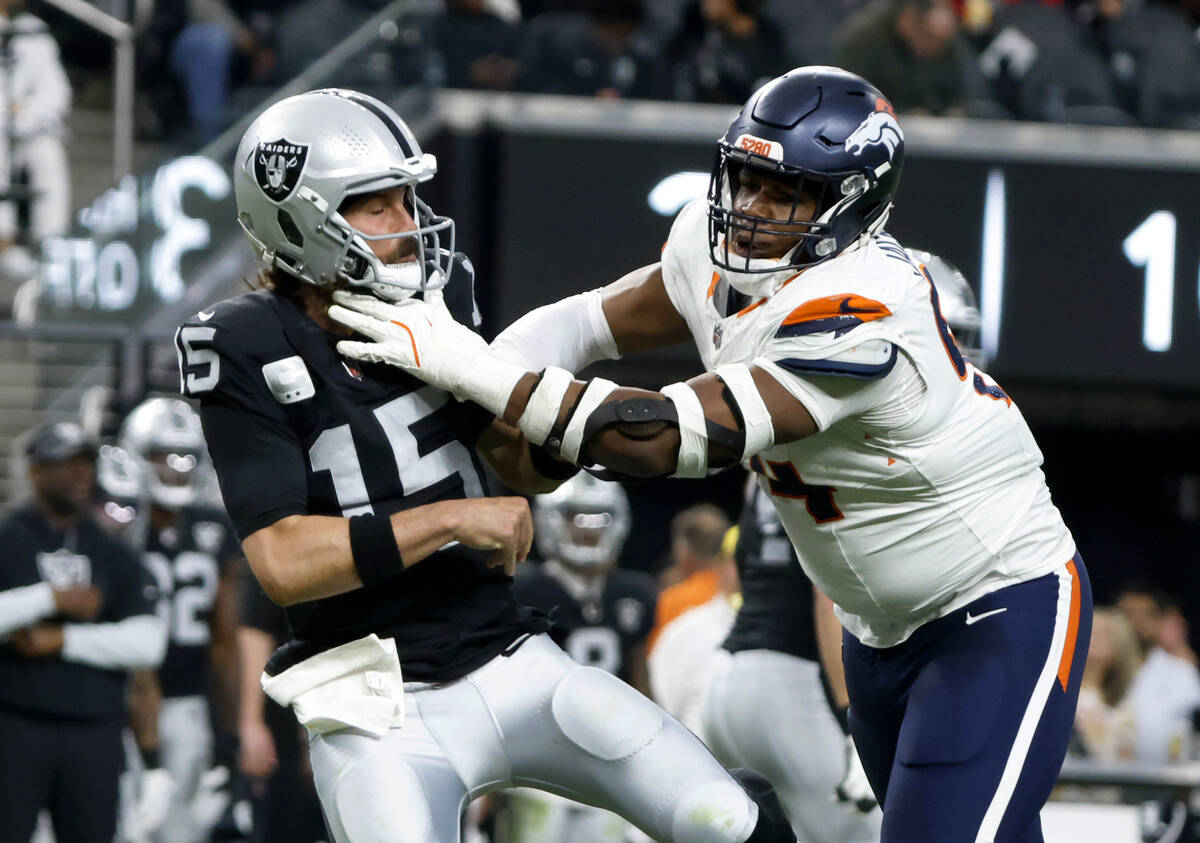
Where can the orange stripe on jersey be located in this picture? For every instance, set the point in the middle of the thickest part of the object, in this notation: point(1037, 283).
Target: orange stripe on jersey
point(713, 286)
point(761, 302)
point(1068, 656)
point(834, 307)
point(664, 246)
point(751, 307)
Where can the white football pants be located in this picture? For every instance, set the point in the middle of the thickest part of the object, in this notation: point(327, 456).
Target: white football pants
point(532, 719)
point(766, 710)
point(185, 746)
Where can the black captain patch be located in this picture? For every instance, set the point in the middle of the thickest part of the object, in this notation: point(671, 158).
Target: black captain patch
point(277, 167)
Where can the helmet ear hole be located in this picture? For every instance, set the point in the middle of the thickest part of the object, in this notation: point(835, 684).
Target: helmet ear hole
point(289, 228)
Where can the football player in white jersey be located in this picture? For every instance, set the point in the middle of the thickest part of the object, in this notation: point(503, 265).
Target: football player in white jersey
point(906, 478)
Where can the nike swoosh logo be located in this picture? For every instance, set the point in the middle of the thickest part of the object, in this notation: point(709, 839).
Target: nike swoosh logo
point(845, 307)
point(973, 618)
point(205, 315)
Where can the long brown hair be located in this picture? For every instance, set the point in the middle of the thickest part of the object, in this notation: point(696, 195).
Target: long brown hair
point(275, 279)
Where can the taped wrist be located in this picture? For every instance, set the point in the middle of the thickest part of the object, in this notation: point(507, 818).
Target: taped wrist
point(374, 550)
point(545, 403)
point(485, 379)
point(749, 405)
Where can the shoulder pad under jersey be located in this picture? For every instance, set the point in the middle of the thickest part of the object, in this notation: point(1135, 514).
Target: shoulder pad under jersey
point(459, 294)
point(842, 334)
point(222, 350)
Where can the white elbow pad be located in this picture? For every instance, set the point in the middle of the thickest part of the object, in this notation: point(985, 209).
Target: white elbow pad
point(541, 412)
point(593, 396)
point(756, 419)
point(693, 431)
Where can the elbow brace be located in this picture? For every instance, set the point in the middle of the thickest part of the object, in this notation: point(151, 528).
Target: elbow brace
point(643, 418)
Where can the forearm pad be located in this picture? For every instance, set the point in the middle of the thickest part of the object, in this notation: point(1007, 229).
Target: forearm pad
point(569, 334)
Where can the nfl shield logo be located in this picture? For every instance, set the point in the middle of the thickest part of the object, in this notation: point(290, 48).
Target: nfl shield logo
point(718, 330)
point(277, 167)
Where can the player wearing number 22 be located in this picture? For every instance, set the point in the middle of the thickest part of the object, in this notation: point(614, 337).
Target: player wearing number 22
point(192, 553)
point(906, 478)
point(360, 499)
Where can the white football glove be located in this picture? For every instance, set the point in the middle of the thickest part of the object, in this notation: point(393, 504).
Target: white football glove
point(854, 789)
point(423, 339)
point(211, 799)
point(156, 789)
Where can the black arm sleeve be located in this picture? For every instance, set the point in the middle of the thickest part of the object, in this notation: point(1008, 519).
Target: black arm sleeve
point(259, 463)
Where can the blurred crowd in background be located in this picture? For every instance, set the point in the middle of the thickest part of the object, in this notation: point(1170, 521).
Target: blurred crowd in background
point(201, 64)
point(1117, 62)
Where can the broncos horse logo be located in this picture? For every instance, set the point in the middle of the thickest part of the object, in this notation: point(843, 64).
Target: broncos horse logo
point(880, 127)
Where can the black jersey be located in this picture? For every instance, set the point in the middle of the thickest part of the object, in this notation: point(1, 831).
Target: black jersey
point(777, 596)
point(188, 559)
point(35, 552)
point(294, 429)
point(599, 623)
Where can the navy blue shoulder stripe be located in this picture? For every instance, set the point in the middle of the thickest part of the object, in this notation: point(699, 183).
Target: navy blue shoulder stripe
point(840, 368)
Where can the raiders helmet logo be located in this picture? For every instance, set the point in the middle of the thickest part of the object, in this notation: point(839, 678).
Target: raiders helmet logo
point(278, 165)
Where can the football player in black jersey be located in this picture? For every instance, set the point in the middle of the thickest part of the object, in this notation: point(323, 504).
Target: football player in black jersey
point(602, 613)
point(190, 549)
point(602, 616)
point(361, 503)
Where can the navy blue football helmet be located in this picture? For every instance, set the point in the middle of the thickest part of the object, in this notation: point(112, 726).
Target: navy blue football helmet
point(833, 136)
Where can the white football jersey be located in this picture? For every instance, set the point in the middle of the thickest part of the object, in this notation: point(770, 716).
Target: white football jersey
point(922, 489)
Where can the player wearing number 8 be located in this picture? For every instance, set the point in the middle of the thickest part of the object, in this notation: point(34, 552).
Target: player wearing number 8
point(602, 616)
point(360, 498)
point(907, 480)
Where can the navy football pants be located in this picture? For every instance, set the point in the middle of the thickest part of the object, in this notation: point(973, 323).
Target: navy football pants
point(962, 729)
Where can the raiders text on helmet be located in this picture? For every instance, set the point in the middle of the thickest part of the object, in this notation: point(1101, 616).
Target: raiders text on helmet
point(302, 158)
point(836, 138)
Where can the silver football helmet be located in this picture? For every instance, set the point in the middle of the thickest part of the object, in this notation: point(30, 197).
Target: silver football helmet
point(582, 523)
point(958, 303)
point(163, 435)
point(302, 158)
point(121, 495)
